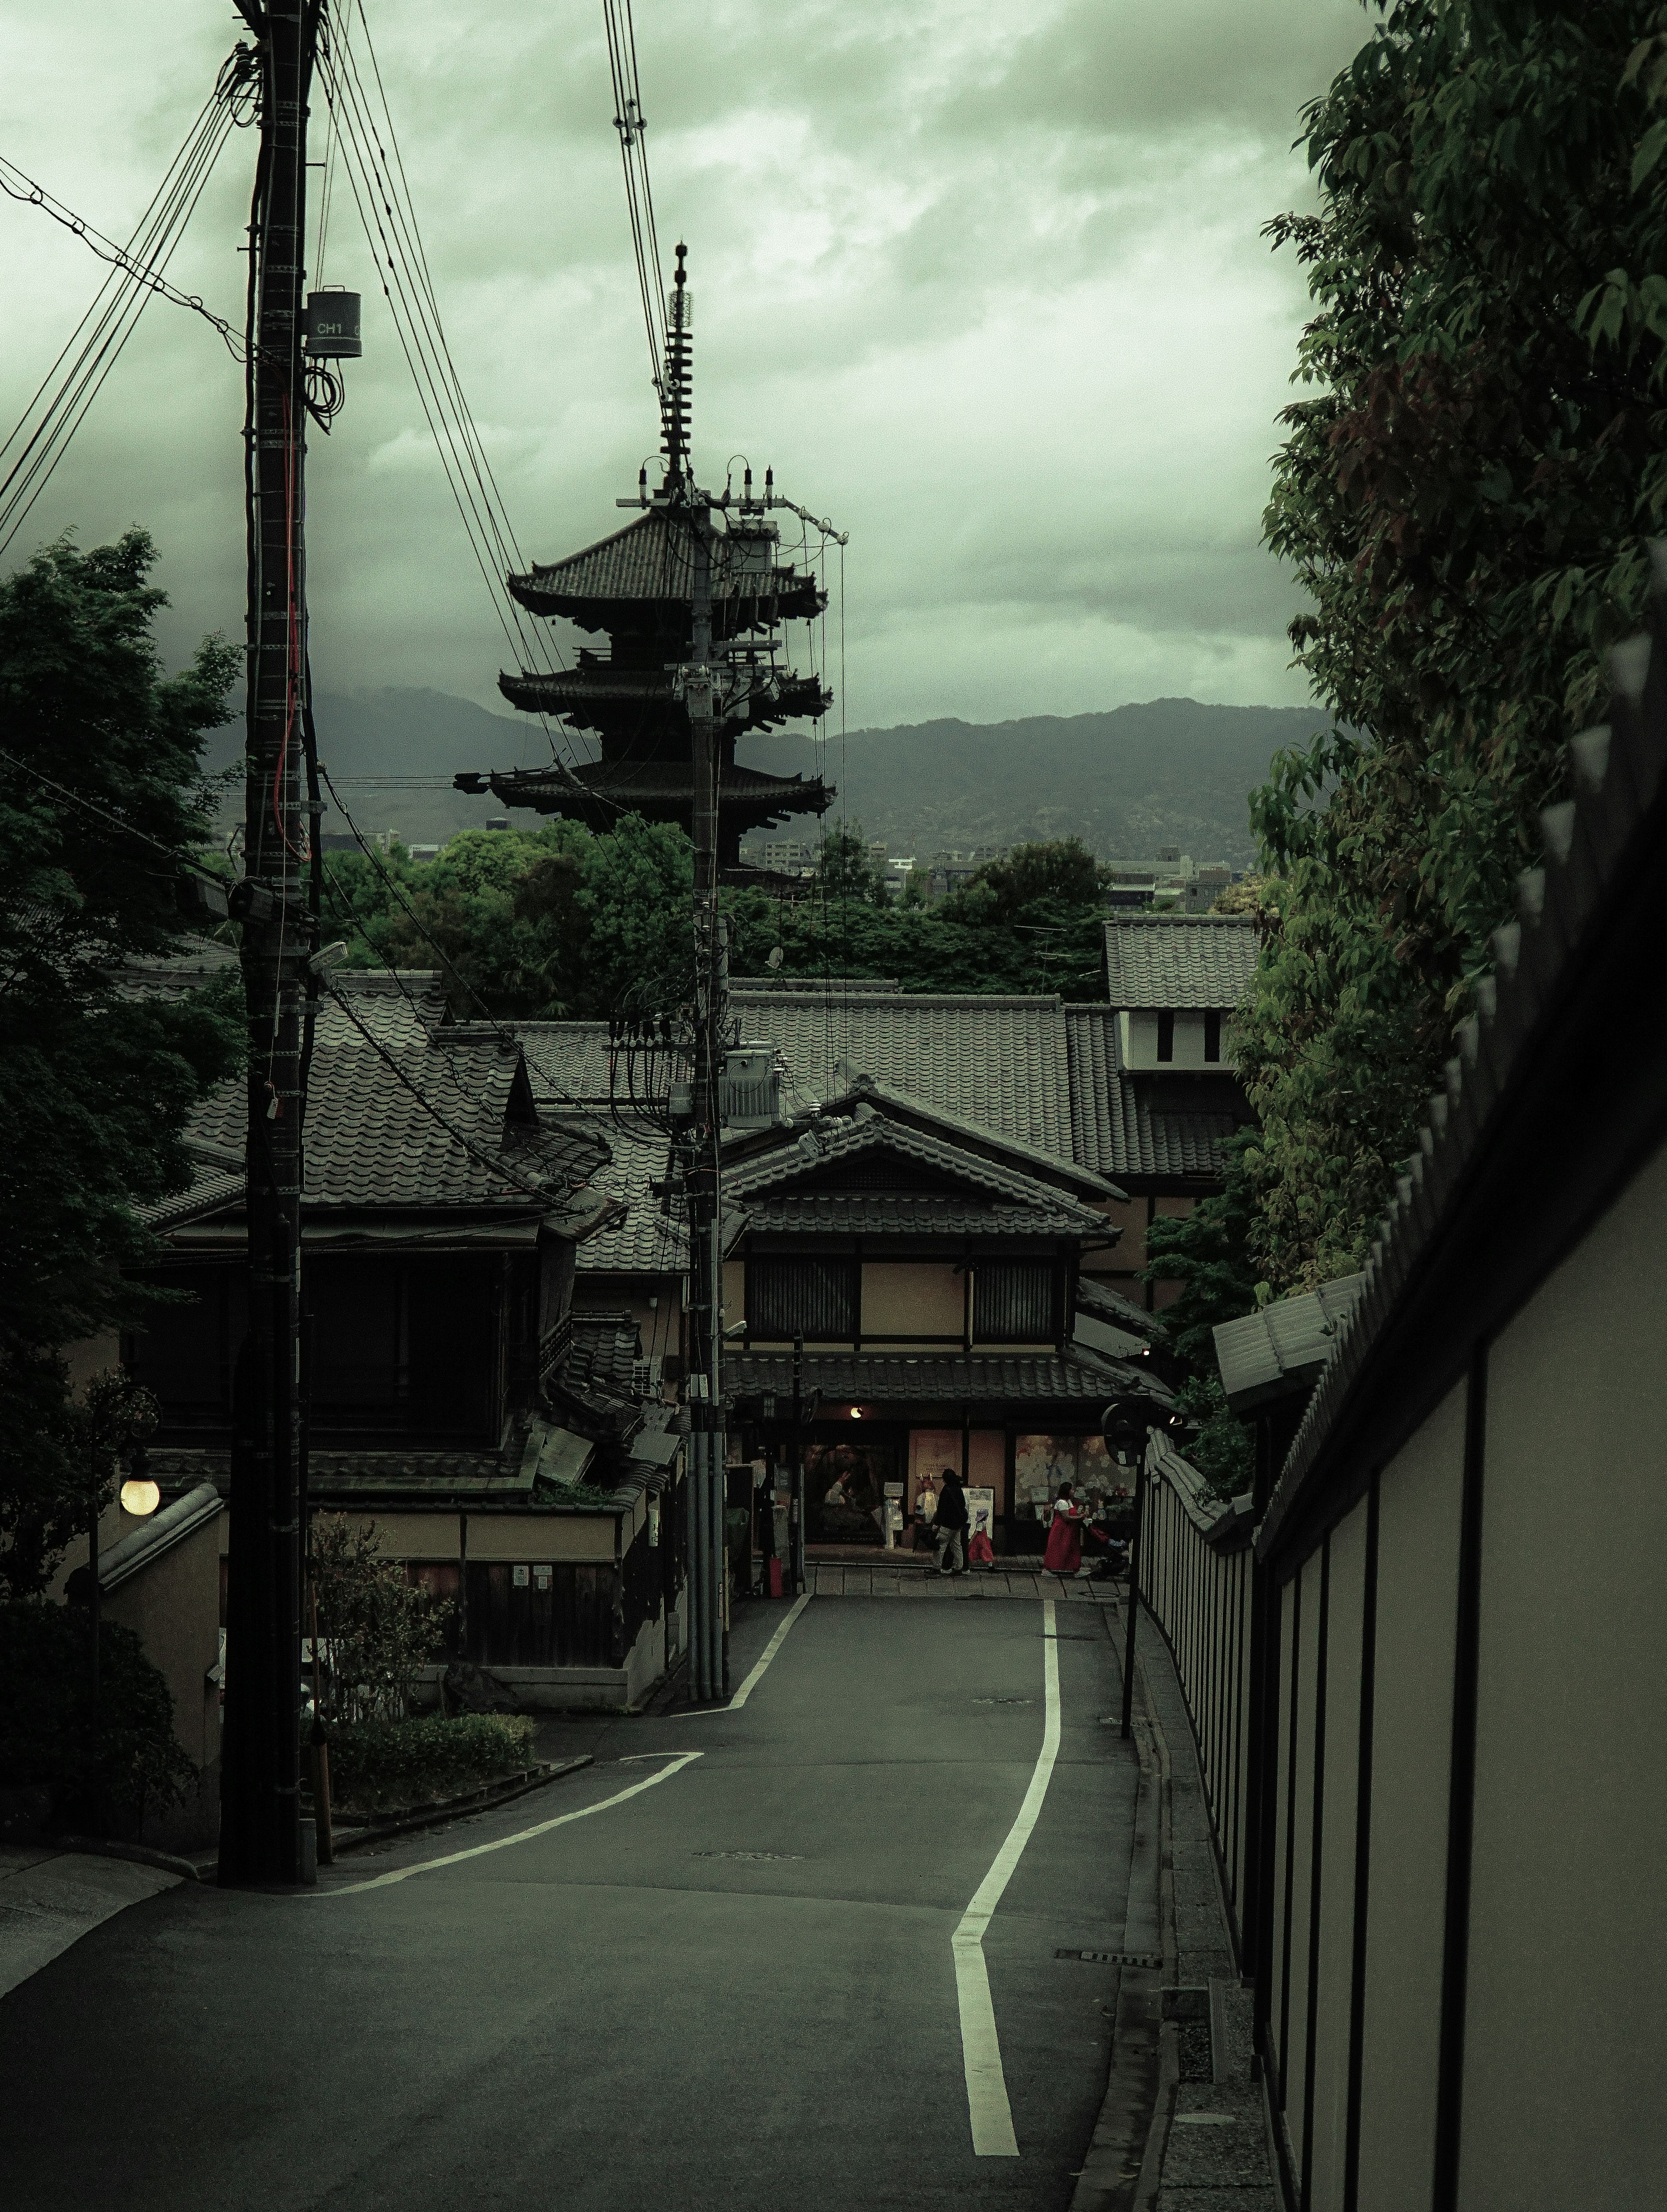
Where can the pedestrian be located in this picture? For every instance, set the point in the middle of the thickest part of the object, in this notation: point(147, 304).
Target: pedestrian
point(951, 1523)
point(1064, 1553)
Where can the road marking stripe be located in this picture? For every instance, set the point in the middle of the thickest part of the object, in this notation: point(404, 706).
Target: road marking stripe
point(502, 1843)
point(752, 1682)
point(980, 2050)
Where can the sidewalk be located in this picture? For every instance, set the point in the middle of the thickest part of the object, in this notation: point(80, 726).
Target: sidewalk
point(1215, 2155)
point(50, 1899)
point(897, 1575)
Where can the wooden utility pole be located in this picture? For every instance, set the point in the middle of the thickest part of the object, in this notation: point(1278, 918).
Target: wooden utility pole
point(261, 1786)
point(708, 1640)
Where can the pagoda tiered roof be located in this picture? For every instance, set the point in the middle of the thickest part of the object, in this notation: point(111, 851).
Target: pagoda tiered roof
point(642, 577)
point(598, 694)
point(598, 792)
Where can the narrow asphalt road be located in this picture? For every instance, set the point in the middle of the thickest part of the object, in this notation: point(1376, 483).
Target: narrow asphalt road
point(735, 1990)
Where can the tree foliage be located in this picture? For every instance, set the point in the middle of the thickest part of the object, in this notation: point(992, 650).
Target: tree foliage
point(1465, 492)
point(561, 923)
point(117, 1763)
point(378, 1628)
point(94, 1090)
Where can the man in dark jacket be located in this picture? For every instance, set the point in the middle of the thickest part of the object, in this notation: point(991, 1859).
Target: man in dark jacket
point(950, 1524)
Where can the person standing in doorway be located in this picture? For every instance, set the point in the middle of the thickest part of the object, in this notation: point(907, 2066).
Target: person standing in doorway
point(950, 1524)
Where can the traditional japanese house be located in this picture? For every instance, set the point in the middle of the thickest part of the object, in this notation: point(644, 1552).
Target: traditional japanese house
point(509, 1452)
point(899, 1298)
point(1154, 1084)
point(636, 589)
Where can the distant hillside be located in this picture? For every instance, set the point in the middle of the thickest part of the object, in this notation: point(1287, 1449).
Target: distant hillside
point(1171, 772)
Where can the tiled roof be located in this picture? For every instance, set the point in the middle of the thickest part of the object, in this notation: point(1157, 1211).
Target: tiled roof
point(1117, 1128)
point(1107, 1304)
point(1284, 1346)
point(1509, 1082)
point(1173, 961)
point(370, 1141)
point(597, 697)
point(605, 1349)
point(213, 1188)
point(888, 1213)
point(843, 985)
point(651, 562)
point(837, 1141)
point(655, 783)
point(405, 1005)
point(1079, 1377)
point(643, 1240)
point(997, 1061)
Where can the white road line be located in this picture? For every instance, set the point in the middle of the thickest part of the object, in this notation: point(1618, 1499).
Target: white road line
point(980, 2050)
point(752, 1680)
point(502, 1843)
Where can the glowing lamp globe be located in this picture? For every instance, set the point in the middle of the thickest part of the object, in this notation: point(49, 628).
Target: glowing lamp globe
point(139, 1498)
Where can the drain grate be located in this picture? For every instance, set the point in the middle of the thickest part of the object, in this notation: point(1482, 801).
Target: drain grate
point(1004, 1701)
point(749, 1855)
point(1113, 1958)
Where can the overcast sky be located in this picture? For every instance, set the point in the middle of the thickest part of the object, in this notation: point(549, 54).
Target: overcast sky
point(985, 285)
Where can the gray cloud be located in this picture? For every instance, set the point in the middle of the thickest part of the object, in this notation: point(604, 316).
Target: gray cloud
point(989, 288)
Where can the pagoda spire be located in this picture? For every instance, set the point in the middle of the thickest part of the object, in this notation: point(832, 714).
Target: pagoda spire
point(676, 393)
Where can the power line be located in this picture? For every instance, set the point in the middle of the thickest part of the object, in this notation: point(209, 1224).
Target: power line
point(392, 884)
point(137, 275)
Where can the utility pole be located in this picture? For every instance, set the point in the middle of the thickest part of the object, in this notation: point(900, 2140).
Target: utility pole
point(708, 1638)
point(261, 1786)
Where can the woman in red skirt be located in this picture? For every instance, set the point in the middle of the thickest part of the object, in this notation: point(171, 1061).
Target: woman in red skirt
point(1064, 1552)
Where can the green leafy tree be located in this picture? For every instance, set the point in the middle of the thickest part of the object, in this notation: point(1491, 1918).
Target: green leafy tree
point(102, 796)
point(377, 1627)
point(104, 1768)
point(846, 871)
point(1465, 493)
point(1208, 1253)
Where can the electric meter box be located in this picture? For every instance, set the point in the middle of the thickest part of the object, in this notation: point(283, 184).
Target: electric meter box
point(332, 325)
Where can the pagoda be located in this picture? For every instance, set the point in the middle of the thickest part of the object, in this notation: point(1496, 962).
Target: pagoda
point(636, 589)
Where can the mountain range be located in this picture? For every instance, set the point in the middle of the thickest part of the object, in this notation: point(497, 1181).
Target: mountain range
point(1167, 772)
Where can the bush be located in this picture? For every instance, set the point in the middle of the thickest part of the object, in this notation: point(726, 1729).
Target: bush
point(377, 1765)
point(377, 1629)
point(131, 1760)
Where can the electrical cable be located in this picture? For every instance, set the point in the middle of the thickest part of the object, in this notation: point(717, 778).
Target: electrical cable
point(391, 884)
point(494, 1161)
point(137, 275)
point(128, 829)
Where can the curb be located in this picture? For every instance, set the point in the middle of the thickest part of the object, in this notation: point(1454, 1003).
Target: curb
point(139, 1854)
point(1123, 2164)
point(484, 1799)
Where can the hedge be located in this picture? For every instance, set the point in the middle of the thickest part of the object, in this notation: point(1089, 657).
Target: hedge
point(376, 1766)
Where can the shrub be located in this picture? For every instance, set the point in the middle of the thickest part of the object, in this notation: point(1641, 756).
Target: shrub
point(131, 1760)
point(377, 1628)
point(375, 1765)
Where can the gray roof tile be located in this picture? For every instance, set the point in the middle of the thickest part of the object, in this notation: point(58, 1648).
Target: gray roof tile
point(847, 1140)
point(1174, 961)
point(997, 1061)
point(895, 1213)
point(651, 560)
point(372, 1143)
point(1117, 1129)
point(1078, 1378)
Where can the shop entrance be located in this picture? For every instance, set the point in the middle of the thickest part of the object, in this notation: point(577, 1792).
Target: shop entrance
point(845, 1488)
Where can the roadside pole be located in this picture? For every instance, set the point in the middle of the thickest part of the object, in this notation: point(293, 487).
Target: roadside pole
point(260, 1790)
